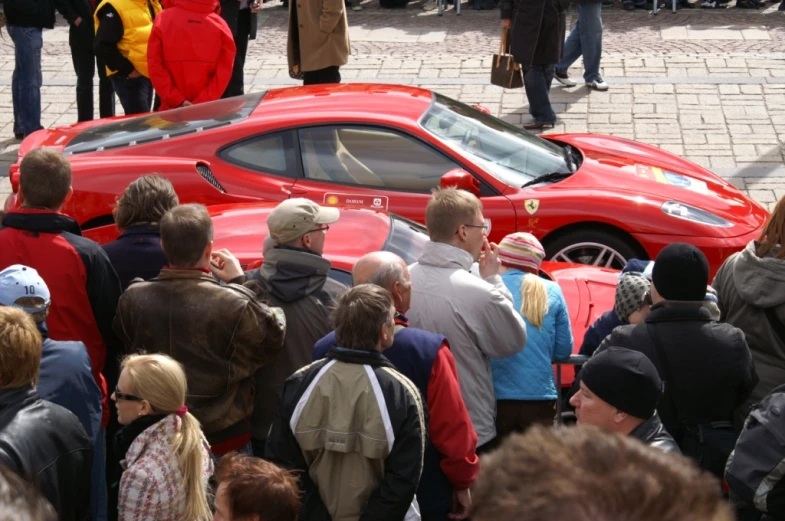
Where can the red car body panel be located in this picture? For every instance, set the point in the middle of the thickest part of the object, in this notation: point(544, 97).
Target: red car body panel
point(620, 186)
point(241, 228)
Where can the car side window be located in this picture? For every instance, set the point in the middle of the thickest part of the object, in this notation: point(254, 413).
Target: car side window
point(270, 153)
point(370, 156)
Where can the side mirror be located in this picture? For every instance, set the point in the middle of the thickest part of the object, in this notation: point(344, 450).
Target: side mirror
point(462, 180)
point(13, 174)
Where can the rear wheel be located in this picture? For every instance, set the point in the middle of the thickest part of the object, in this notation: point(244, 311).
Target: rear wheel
point(591, 246)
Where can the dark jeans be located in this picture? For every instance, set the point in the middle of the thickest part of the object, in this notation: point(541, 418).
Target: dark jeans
point(136, 94)
point(27, 78)
point(537, 82)
point(106, 97)
point(236, 86)
point(328, 75)
point(585, 40)
point(81, 41)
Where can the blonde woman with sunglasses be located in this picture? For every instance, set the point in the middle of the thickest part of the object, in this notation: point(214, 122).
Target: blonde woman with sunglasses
point(162, 452)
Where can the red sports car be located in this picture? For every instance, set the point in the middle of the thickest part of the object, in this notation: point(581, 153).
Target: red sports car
point(589, 198)
point(242, 228)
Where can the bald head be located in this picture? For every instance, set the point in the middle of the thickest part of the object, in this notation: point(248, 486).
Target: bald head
point(387, 270)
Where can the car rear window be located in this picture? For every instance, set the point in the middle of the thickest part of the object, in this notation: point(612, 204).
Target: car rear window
point(165, 125)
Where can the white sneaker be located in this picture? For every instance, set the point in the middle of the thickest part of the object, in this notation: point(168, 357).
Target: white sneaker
point(357, 7)
point(430, 5)
point(564, 79)
point(597, 84)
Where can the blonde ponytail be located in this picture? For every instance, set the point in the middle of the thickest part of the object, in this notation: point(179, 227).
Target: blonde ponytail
point(534, 299)
point(187, 445)
point(161, 381)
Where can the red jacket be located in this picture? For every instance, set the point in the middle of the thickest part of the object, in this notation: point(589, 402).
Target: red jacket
point(190, 53)
point(83, 285)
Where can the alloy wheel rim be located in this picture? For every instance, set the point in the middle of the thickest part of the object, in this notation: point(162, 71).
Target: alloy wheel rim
point(591, 253)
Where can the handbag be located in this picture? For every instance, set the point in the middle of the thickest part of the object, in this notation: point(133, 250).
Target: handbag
point(708, 443)
point(504, 71)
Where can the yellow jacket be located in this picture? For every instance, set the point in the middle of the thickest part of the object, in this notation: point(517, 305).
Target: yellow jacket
point(137, 23)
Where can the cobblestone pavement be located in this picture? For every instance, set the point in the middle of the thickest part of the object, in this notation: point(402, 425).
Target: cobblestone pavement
point(707, 85)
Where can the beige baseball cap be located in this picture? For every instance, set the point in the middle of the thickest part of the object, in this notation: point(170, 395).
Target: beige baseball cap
point(293, 218)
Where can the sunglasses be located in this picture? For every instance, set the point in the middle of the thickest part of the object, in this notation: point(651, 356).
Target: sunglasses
point(127, 397)
point(321, 229)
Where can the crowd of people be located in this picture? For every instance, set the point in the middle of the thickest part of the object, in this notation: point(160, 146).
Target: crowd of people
point(154, 379)
point(162, 54)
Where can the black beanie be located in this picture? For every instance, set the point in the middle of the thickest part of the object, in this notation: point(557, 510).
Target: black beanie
point(681, 272)
point(625, 379)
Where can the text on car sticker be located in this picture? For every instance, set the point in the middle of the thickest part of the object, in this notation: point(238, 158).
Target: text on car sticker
point(373, 202)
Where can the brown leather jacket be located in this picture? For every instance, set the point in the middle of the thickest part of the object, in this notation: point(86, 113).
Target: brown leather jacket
point(220, 334)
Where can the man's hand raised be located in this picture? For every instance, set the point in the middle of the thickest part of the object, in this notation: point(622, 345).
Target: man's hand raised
point(490, 264)
point(225, 266)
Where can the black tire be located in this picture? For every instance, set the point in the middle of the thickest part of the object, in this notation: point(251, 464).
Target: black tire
point(593, 238)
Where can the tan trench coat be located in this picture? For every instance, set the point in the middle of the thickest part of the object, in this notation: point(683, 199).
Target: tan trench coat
point(323, 34)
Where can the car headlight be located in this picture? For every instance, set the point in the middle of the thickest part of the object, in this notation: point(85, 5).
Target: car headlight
point(693, 214)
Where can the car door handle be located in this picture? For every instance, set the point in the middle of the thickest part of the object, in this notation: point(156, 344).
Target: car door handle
point(294, 191)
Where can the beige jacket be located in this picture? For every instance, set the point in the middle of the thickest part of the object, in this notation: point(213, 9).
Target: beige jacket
point(323, 34)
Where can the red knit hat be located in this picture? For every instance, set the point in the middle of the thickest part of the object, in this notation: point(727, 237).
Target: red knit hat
point(522, 251)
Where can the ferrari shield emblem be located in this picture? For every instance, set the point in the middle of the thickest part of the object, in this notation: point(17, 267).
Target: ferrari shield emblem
point(531, 205)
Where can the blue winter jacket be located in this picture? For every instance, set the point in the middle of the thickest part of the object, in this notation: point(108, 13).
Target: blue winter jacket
point(528, 374)
point(66, 378)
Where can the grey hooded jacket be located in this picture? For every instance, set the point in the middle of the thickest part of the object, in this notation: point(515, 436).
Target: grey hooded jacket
point(476, 316)
point(747, 284)
point(296, 281)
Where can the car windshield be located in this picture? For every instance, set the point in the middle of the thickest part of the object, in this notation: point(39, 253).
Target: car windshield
point(164, 125)
point(406, 239)
point(508, 153)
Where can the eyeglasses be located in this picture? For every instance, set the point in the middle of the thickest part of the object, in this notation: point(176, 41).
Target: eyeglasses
point(118, 395)
point(485, 228)
point(321, 229)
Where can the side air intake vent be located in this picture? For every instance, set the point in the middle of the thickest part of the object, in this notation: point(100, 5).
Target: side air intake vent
point(207, 174)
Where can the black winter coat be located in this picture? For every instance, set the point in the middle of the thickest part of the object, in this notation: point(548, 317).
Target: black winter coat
point(538, 28)
point(137, 253)
point(652, 433)
point(31, 13)
point(230, 12)
point(45, 444)
point(84, 34)
point(711, 363)
point(298, 282)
